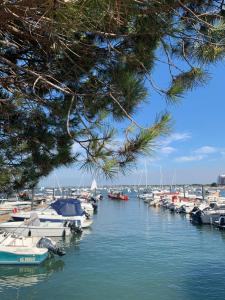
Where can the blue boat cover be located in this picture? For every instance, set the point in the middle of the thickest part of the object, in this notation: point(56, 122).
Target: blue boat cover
point(68, 207)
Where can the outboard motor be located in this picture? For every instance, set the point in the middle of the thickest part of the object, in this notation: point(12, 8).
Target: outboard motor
point(196, 216)
point(74, 227)
point(93, 200)
point(95, 207)
point(195, 208)
point(87, 215)
point(48, 243)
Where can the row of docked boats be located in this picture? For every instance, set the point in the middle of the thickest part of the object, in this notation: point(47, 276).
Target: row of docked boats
point(28, 237)
point(207, 210)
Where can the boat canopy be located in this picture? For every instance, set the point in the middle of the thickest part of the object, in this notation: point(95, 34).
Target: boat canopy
point(68, 207)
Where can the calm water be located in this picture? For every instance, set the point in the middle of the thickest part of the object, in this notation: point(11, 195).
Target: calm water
point(132, 252)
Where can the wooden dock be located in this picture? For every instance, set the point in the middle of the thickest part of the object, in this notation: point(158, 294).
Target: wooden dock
point(6, 217)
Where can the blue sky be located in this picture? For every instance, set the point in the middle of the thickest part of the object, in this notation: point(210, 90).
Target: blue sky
point(193, 153)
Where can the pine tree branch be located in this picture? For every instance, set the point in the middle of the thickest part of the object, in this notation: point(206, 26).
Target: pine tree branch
point(125, 112)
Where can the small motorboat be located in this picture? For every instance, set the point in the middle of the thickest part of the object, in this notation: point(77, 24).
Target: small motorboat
point(61, 210)
point(18, 250)
point(206, 216)
point(117, 196)
point(33, 227)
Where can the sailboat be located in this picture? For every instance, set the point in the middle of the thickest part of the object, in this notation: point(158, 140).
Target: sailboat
point(94, 188)
point(94, 185)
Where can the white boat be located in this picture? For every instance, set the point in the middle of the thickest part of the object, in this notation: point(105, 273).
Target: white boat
point(25, 250)
point(204, 214)
point(51, 216)
point(86, 206)
point(146, 196)
point(62, 210)
point(211, 215)
point(33, 227)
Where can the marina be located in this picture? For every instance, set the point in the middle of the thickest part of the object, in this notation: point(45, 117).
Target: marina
point(131, 251)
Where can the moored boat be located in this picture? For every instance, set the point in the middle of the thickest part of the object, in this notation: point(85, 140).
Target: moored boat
point(17, 250)
point(33, 227)
point(118, 196)
point(60, 211)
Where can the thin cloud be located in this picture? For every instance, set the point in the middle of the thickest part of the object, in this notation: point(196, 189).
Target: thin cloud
point(167, 150)
point(175, 137)
point(206, 150)
point(190, 158)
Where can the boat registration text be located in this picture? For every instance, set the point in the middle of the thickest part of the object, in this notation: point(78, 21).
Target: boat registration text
point(27, 259)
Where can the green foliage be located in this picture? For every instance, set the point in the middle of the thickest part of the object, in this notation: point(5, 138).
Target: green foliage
point(144, 142)
point(67, 68)
point(209, 53)
point(186, 81)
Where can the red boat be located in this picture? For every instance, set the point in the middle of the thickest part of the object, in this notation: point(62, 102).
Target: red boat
point(118, 196)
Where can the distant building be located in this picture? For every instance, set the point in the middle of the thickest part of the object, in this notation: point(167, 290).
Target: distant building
point(221, 179)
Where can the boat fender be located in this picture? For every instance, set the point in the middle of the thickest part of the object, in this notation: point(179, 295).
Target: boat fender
point(15, 210)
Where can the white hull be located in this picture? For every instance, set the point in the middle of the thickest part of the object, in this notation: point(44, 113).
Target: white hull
point(87, 207)
point(211, 217)
point(51, 216)
point(44, 229)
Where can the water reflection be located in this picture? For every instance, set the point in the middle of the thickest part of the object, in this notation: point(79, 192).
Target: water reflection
point(25, 276)
point(72, 240)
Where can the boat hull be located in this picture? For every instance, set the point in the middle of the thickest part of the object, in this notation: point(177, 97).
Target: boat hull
point(210, 219)
point(47, 218)
point(9, 258)
point(79, 221)
point(120, 197)
point(38, 231)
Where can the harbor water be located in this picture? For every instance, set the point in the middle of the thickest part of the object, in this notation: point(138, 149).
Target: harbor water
point(132, 252)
